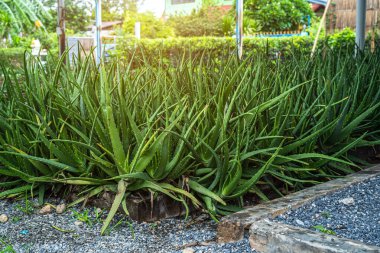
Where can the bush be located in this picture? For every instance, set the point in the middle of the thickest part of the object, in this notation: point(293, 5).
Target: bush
point(208, 21)
point(277, 15)
point(173, 49)
point(151, 27)
point(342, 39)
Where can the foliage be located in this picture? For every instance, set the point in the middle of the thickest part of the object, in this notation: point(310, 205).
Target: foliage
point(172, 49)
point(324, 230)
point(77, 14)
point(14, 56)
point(344, 38)
point(207, 21)
point(277, 15)
point(205, 130)
point(5, 246)
point(115, 9)
point(151, 27)
point(18, 15)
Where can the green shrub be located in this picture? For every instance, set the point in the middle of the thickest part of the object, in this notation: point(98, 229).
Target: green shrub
point(151, 27)
point(342, 39)
point(207, 21)
point(173, 49)
point(277, 15)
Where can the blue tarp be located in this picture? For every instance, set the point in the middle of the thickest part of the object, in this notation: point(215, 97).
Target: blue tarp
point(322, 2)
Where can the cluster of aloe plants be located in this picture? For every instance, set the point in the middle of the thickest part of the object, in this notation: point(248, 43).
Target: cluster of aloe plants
point(204, 133)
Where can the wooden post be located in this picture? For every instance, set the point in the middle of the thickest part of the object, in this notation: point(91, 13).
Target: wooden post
point(320, 27)
point(61, 27)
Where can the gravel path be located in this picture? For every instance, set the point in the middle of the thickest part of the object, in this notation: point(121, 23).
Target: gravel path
point(352, 213)
point(35, 233)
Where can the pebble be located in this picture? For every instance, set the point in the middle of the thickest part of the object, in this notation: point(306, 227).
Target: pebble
point(188, 250)
point(78, 223)
point(347, 201)
point(60, 208)
point(3, 218)
point(299, 222)
point(45, 210)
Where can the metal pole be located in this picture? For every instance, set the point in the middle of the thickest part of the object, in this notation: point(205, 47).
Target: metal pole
point(61, 27)
point(239, 28)
point(361, 9)
point(98, 43)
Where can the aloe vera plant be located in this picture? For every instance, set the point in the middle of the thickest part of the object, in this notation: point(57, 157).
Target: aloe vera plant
point(204, 133)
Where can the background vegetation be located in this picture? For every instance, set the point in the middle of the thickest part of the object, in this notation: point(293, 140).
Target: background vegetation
point(268, 15)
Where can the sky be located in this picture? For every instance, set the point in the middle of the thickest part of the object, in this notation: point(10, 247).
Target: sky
point(155, 6)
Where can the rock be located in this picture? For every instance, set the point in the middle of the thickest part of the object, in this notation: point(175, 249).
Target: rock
point(188, 250)
point(78, 223)
point(299, 222)
point(45, 210)
point(60, 208)
point(3, 218)
point(347, 201)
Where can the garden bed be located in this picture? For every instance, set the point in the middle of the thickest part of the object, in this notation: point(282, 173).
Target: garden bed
point(205, 135)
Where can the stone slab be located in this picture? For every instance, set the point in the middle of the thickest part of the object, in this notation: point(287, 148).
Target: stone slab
point(273, 237)
point(231, 228)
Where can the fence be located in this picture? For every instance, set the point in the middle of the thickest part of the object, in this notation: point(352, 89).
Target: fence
point(343, 14)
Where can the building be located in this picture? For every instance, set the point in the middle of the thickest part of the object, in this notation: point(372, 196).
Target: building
point(108, 27)
point(184, 7)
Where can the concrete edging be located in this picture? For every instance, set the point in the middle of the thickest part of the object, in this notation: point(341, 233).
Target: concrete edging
point(231, 228)
point(274, 237)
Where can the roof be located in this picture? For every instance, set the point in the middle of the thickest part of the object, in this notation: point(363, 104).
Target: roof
point(108, 24)
point(321, 2)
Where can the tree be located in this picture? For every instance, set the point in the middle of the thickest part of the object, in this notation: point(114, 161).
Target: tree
point(277, 15)
point(77, 14)
point(115, 9)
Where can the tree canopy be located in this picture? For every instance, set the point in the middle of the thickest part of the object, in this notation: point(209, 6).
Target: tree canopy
point(277, 15)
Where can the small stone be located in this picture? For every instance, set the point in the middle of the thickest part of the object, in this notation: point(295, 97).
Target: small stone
point(299, 222)
point(78, 223)
point(60, 208)
point(347, 201)
point(45, 210)
point(3, 218)
point(188, 250)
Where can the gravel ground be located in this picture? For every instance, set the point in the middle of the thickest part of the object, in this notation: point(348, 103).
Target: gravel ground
point(35, 233)
point(353, 213)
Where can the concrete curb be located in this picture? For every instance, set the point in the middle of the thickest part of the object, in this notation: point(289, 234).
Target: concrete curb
point(273, 237)
point(231, 228)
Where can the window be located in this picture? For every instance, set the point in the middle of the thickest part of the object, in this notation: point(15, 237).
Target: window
point(182, 1)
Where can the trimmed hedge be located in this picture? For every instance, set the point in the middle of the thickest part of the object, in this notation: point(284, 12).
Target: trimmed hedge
point(215, 47)
point(13, 55)
point(174, 49)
